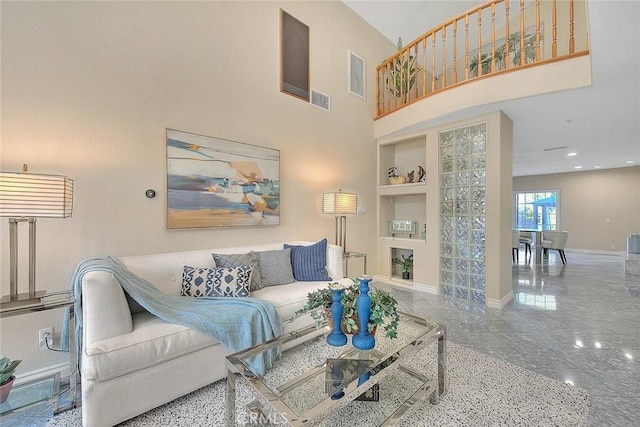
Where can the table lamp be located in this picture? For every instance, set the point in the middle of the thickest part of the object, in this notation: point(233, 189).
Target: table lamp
point(340, 204)
point(23, 198)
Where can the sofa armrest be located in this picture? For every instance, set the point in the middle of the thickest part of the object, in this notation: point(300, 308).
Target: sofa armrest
point(105, 311)
point(334, 261)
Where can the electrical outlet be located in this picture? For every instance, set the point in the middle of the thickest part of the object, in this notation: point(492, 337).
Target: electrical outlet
point(41, 338)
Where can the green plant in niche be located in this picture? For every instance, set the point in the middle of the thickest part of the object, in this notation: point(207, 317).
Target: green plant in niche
point(405, 263)
point(403, 74)
point(383, 309)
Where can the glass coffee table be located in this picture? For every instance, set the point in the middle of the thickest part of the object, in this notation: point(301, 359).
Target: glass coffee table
point(313, 381)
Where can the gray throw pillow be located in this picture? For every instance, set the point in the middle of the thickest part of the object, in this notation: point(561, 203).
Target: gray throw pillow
point(275, 267)
point(236, 260)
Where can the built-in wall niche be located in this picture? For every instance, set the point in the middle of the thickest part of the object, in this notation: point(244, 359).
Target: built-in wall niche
point(405, 207)
point(407, 156)
point(396, 270)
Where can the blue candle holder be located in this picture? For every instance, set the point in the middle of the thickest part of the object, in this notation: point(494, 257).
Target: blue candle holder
point(363, 340)
point(337, 338)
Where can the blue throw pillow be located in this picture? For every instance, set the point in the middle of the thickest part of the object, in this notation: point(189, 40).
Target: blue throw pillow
point(309, 262)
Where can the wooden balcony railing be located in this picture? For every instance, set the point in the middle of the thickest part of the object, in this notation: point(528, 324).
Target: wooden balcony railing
point(494, 38)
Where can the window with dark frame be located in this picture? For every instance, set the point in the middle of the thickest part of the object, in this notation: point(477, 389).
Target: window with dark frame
point(294, 56)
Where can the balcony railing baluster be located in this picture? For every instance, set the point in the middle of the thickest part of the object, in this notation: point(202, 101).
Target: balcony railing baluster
point(398, 78)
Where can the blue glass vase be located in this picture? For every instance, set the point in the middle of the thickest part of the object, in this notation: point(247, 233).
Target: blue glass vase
point(337, 338)
point(363, 340)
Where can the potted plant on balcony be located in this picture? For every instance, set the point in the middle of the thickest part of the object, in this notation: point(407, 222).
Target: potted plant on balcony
point(403, 74)
point(383, 309)
point(405, 263)
point(7, 368)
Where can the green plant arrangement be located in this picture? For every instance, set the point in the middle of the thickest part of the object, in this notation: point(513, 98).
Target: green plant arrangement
point(403, 75)
point(515, 49)
point(405, 263)
point(7, 368)
point(383, 309)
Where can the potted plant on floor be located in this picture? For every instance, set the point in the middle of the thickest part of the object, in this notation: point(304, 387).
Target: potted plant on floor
point(406, 264)
point(383, 309)
point(7, 368)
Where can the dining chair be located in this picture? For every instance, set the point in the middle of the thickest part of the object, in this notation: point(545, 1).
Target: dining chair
point(526, 239)
point(556, 240)
point(515, 246)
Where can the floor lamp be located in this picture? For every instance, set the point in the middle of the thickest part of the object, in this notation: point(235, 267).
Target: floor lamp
point(23, 198)
point(340, 204)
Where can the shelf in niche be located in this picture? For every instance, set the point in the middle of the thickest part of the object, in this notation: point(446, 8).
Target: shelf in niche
point(400, 189)
point(403, 239)
point(398, 279)
point(408, 184)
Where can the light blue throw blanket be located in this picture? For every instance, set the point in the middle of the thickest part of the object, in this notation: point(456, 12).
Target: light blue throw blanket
point(237, 323)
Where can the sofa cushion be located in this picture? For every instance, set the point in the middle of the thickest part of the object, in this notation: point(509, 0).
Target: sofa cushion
point(236, 260)
point(151, 342)
point(216, 282)
point(288, 298)
point(308, 262)
point(275, 267)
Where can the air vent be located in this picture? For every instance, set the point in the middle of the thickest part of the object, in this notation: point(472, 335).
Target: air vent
point(320, 100)
point(556, 148)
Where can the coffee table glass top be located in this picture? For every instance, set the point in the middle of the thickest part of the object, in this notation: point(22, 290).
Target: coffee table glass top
point(312, 374)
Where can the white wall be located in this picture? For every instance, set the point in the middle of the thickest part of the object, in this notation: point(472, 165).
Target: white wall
point(88, 89)
point(598, 208)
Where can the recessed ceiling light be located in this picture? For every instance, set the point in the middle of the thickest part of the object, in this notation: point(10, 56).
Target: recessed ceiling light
point(572, 154)
point(578, 167)
point(598, 167)
point(630, 161)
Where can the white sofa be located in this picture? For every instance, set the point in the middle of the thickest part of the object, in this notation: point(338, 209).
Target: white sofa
point(133, 361)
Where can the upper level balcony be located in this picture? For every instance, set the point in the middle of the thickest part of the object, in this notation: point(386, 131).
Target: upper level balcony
point(500, 50)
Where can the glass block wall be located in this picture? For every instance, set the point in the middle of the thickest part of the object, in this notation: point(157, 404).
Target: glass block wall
point(463, 212)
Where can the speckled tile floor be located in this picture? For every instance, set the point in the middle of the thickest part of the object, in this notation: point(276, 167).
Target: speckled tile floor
point(578, 323)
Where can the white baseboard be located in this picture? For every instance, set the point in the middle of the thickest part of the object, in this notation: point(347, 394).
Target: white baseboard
point(500, 304)
point(407, 284)
point(62, 369)
point(596, 251)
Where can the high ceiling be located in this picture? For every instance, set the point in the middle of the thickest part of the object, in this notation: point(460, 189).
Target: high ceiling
point(600, 123)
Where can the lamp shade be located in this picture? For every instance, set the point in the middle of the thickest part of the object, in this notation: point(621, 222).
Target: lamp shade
point(339, 203)
point(36, 196)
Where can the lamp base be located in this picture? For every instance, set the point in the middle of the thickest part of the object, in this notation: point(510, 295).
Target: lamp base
point(9, 301)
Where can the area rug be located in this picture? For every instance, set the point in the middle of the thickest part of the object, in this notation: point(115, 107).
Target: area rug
point(482, 391)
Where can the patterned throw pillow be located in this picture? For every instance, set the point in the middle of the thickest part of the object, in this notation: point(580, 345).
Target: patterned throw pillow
point(309, 262)
point(236, 260)
point(216, 282)
point(275, 267)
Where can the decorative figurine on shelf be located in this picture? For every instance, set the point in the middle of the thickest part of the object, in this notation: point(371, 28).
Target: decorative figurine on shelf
point(423, 233)
point(337, 338)
point(410, 176)
point(363, 340)
point(394, 178)
point(421, 174)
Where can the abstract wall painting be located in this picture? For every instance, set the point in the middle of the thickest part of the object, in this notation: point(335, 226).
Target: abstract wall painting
point(213, 182)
